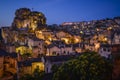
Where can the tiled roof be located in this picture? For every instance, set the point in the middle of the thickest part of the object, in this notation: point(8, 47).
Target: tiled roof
point(3, 53)
point(105, 45)
point(28, 62)
point(13, 55)
point(35, 38)
point(59, 58)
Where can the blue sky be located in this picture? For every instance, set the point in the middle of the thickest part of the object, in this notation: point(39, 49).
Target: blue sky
point(59, 11)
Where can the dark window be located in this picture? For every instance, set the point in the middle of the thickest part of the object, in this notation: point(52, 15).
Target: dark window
point(68, 52)
point(54, 53)
point(108, 50)
point(104, 49)
point(4, 67)
point(64, 52)
point(47, 69)
point(8, 57)
point(37, 67)
point(19, 51)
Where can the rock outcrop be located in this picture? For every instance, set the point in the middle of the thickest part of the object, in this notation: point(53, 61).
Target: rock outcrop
point(27, 19)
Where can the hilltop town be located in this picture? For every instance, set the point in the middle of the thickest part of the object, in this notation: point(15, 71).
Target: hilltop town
point(30, 43)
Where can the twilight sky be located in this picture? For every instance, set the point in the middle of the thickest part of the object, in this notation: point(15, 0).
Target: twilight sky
point(59, 11)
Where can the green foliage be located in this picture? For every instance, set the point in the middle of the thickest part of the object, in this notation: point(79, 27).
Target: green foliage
point(54, 68)
point(88, 66)
point(27, 77)
point(38, 75)
point(26, 55)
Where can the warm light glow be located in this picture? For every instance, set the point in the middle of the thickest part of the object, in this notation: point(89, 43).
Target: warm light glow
point(40, 32)
point(47, 42)
point(105, 39)
point(35, 21)
point(22, 50)
point(39, 65)
point(97, 46)
point(98, 29)
point(66, 40)
point(110, 28)
point(50, 38)
point(77, 40)
point(81, 32)
point(39, 35)
point(39, 14)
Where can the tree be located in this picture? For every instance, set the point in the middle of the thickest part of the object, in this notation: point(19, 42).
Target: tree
point(38, 75)
point(88, 66)
point(116, 67)
point(26, 55)
point(54, 68)
point(27, 77)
